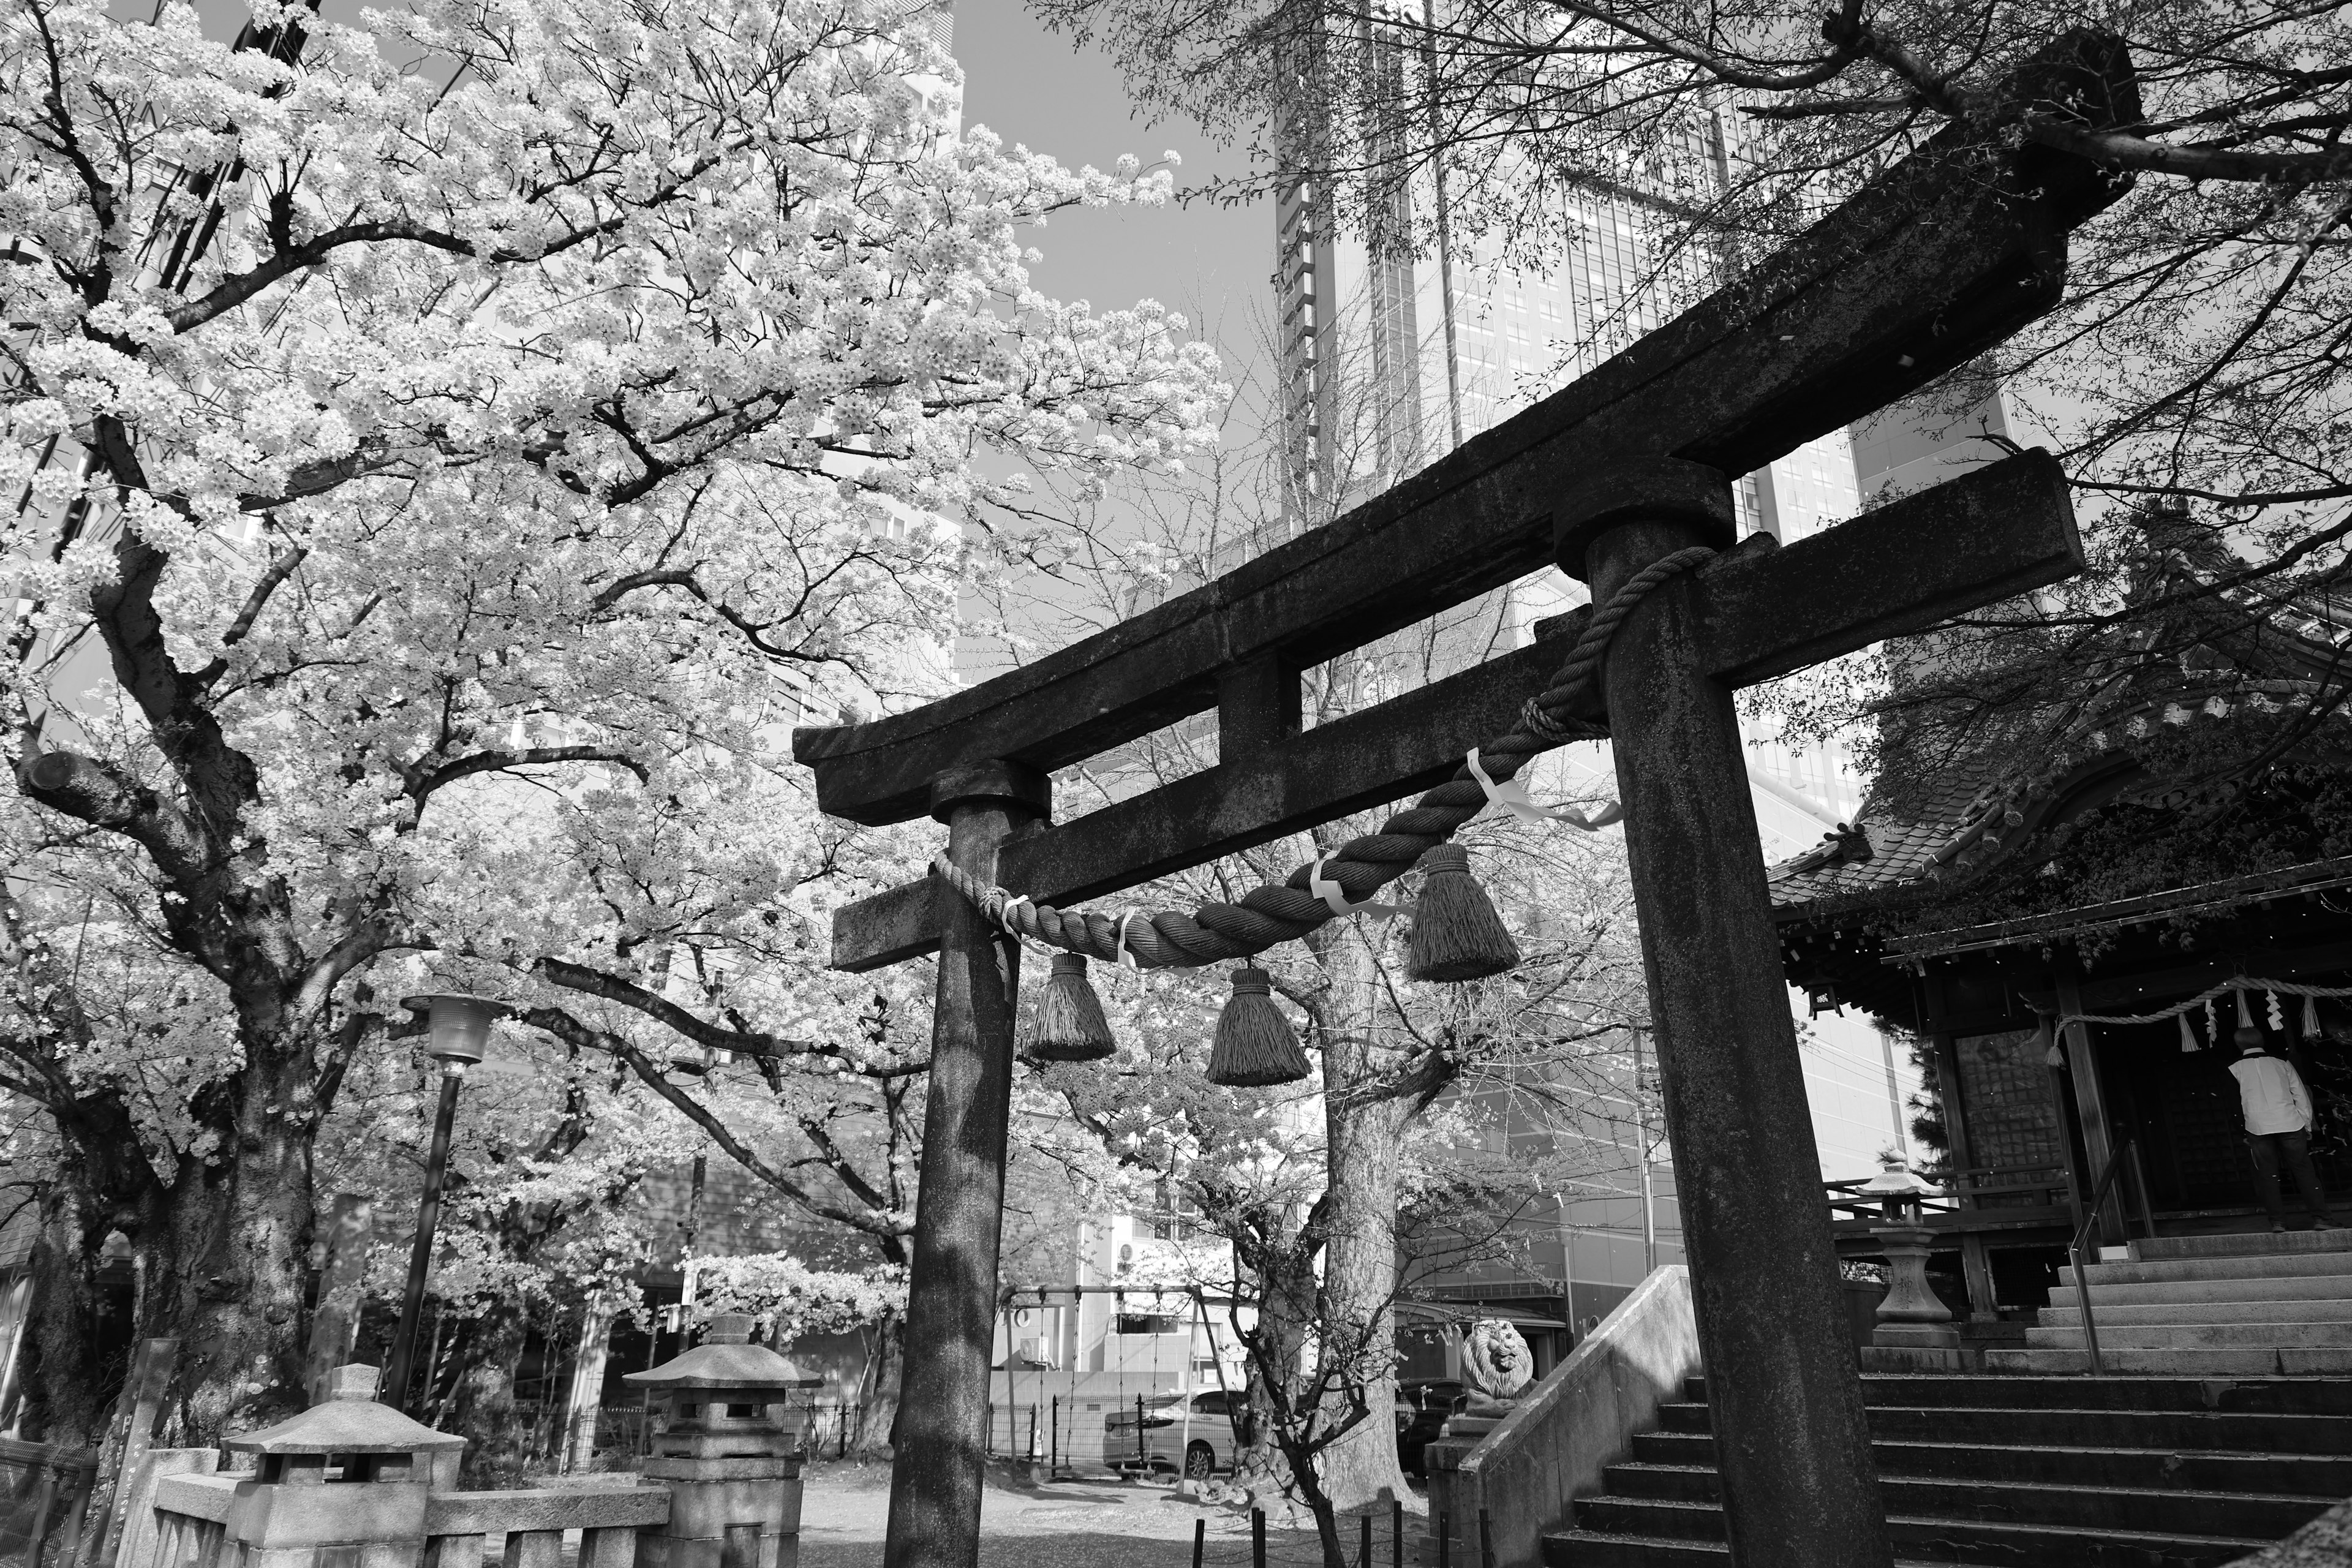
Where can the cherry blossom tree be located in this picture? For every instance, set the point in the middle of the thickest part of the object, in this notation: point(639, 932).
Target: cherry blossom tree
point(475, 400)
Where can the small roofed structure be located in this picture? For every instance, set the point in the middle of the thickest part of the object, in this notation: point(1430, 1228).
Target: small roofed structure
point(725, 1446)
point(289, 1515)
point(347, 1434)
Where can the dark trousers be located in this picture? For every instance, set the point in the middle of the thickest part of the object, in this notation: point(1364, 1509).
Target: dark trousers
point(2268, 1149)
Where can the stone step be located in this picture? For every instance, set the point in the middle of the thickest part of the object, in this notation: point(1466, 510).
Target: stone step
point(2271, 1335)
point(2257, 1515)
point(2160, 1270)
point(2161, 1467)
point(2064, 1314)
point(1652, 1524)
point(2336, 1361)
point(2309, 1287)
point(2203, 1431)
point(2276, 1396)
point(1585, 1549)
point(2244, 1244)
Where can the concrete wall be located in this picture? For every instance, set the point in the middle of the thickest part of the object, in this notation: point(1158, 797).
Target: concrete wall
point(1552, 1449)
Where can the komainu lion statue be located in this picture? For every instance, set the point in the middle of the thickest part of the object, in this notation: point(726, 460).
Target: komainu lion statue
point(1498, 1363)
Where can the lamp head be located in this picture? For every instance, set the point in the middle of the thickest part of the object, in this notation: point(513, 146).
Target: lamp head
point(459, 1026)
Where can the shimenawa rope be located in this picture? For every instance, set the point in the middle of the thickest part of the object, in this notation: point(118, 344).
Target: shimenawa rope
point(2242, 982)
point(1273, 913)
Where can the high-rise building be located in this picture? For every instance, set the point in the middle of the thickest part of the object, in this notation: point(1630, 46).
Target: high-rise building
point(1388, 361)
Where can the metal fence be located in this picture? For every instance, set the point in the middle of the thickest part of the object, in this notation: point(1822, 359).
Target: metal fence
point(46, 1490)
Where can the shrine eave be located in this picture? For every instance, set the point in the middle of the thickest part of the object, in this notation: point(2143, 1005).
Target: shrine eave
point(2204, 898)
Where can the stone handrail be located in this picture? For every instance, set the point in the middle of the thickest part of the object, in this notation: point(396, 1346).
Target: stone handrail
point(608, 1519)
point(191, 1515)
point(190, 1520)
point(1554, 1445)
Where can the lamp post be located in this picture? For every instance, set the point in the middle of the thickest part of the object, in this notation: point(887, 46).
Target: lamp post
point(459, 1028)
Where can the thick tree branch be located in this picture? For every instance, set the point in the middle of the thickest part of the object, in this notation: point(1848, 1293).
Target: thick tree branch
point(281, 566)
point(572, 1031)
point(97, 794)
point(422, 784)
point(231, 292)
point(670, 1016)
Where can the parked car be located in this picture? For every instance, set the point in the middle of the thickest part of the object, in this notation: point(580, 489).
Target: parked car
point(1209, 1447)
point(1432, 1400)
point(1171, 1445)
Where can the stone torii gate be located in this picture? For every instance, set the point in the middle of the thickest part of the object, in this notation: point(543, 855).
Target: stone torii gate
point(1943, 256)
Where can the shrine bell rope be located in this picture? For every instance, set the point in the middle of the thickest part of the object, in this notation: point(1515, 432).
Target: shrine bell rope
point(1273, 913)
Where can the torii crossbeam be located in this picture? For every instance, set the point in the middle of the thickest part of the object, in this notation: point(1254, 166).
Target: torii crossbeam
point(1945, 255)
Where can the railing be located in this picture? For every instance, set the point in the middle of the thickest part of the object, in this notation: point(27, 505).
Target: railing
point(534, 1521)
point(47, 1491)
point(191, 1518)
point(1522, 1477)
point(2090, 1220)
point(1981, 1187)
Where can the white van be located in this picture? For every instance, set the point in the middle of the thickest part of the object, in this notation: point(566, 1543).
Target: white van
point(1206, 1449)
point(1166, 1445)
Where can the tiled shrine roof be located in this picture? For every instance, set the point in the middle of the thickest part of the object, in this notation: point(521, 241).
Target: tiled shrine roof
point(2267, 663)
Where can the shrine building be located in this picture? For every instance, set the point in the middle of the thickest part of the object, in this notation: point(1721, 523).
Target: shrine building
point(2076, 913)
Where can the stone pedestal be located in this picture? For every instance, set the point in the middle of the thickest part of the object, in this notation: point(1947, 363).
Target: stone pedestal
point(1915, 1332)
point(368, 1513)
point(1452, 1500)
point(722, 1446)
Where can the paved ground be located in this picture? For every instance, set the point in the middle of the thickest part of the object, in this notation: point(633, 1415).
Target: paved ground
point(1066, 1525)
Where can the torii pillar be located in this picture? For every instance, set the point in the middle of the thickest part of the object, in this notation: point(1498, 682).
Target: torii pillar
point(940, 1443)
point(1771, 1326)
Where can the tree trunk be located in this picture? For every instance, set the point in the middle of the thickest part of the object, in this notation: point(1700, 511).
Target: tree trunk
point(486, 1415)
point(1357, 1339)
point(1285, 1313)
point(225, 1260)
point(68, 1395)
point(878, 1388)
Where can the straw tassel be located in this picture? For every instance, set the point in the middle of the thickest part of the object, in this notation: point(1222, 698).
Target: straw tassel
point(2311, 1029)
point(2187, 1036)
point(1456, 935)
point(1254, 1045)
point(1070, 1026)
point(2250, 1035)
point(2056, 1058)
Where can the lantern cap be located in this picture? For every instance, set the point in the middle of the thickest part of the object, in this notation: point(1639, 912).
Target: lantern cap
point(1896, 1179)
point(459, 1022)
point(348, 1421)
point(725, 1359)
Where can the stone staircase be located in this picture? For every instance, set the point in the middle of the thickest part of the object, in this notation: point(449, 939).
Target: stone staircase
point(2206, 1305)
point(2028, 1472)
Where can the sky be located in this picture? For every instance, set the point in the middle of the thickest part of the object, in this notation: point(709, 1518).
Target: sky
point(1033, 87)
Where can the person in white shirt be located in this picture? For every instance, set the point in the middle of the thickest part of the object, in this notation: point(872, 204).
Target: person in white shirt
point(2278, 1128)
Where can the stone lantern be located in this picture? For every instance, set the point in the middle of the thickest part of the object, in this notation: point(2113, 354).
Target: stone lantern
point(722, 1445)
point(343, 1485)
point(1913, 1323)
